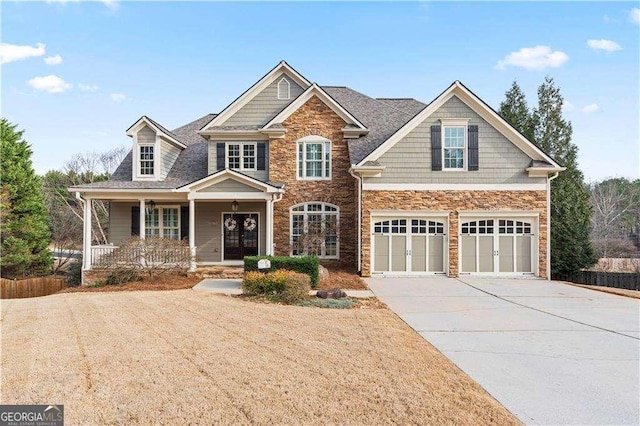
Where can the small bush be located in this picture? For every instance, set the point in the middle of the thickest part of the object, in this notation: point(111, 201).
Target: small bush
point(74, 273)
point(306, 265)
point(328, 303)
point(97, 284)
point(278, 286)
point(122, 276)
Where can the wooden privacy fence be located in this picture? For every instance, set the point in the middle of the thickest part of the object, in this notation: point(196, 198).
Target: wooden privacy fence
point(624, 280)
point(32, 287)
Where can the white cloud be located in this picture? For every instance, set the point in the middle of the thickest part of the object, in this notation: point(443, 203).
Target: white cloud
point(14, 52)
point(113, 5)
point(49, 84)
point(535, 58)
point(118, 97)
point(87, 87)
point(602, 44)
point(567, 106)
point(591, 108)
point(634, 15)
point(53, 60)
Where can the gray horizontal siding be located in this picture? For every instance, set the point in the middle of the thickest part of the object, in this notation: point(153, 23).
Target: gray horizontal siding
point(229, 185)
point(146, 135)
point(120, 222)
point(264, 106)
point(168, 155)
point(262, 175)
point(500, 161)
point(209, 228)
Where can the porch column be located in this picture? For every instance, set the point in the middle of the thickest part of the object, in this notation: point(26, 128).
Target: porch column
point(269, 223)
point(142, 219)
point(86, 241)
point(192, 234)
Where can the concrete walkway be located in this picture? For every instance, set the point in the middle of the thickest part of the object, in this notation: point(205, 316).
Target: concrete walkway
point(550, 352)
point(228, 287)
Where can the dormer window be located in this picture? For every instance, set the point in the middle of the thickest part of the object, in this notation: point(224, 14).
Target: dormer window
point(284, 89)
point(147, 160)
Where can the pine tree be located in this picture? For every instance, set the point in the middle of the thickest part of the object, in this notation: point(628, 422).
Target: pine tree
point(571, 249)
point(514, 109)
point(24, 236)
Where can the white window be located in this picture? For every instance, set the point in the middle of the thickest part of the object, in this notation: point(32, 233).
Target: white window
point(284, 89)
point(314, 158)
point(453, 152)
point(163, 222)
point(315, 230)
point(241, 156)
point(147, 160)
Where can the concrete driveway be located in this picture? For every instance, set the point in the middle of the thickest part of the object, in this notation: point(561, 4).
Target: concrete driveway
point(550, 352)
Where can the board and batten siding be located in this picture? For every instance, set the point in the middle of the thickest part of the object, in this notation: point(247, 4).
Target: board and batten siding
point(262, 175)
point(229, 185)
point(264, 106)
point(168, 155)
point(409, 160)
point(209, 228)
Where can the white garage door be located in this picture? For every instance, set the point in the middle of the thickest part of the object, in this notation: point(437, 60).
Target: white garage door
point(403, 246)
point(497, 246)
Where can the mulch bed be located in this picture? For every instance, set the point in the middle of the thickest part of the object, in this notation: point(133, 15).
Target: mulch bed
point(344, 279)
point(169, 282)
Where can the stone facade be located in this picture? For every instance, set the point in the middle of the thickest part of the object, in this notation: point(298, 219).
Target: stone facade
point(454, 202)
point(314, 118)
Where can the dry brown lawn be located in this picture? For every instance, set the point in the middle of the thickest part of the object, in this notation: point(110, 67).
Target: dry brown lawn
point(185, 357)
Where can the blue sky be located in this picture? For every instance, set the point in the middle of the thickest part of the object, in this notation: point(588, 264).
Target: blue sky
point(83, 72)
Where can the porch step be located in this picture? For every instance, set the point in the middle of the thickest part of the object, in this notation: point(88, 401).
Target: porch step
point(227, 272)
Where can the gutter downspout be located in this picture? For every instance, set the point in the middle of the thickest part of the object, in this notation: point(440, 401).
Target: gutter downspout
point(358, 254)
point(549, 179)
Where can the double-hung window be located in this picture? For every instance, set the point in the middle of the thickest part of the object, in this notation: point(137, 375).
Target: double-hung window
point(453, 152)
point(314, 230)
point(163, 222)
point(241, 156)
point(314, 158)
point(147, 160)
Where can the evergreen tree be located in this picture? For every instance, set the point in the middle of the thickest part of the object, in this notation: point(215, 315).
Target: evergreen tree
point(24, 236)
point(514, 109)
point(571, 249)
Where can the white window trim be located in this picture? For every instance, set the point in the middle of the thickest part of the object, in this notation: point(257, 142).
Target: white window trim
point(452, 123)
point(288, 87)
point(314, 139)
point(160, 209)
point(241, 144)
point(156, 159)
point(305, 226)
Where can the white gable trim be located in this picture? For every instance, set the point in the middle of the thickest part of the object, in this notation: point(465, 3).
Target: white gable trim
point(477, 105)
point(223, 175)
point(258, 87)
point(315, 90)
point(131, 131)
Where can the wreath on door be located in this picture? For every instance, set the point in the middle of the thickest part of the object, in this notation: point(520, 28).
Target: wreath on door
point(250, 224)
point(230, 224)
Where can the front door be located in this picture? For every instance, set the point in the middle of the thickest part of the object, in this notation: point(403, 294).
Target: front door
point(240, 235)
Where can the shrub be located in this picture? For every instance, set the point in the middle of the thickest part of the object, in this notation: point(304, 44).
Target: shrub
point(306, 265)
point(328, 303)
point(278, 286)
point(121, 276)
point(74, 273)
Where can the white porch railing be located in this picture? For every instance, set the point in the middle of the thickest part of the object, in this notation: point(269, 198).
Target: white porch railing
point(103, 256)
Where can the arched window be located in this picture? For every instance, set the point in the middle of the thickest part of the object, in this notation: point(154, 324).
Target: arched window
point(315, 230)
point(314, 158)
point(284, 89)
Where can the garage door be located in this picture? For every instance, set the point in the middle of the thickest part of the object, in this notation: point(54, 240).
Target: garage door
point(497, 246)
point(403, 246)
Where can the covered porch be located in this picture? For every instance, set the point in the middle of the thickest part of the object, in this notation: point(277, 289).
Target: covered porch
point(221, 219)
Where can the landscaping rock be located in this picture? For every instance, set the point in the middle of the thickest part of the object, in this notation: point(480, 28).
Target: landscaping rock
point(323, 273)
point(331, 294)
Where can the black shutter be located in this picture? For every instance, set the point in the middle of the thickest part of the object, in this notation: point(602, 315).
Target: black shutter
point(135, 221)
point(220, 148)
point(473, 148)
point(262, 153)
point(436, 148)
point(184, 223)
